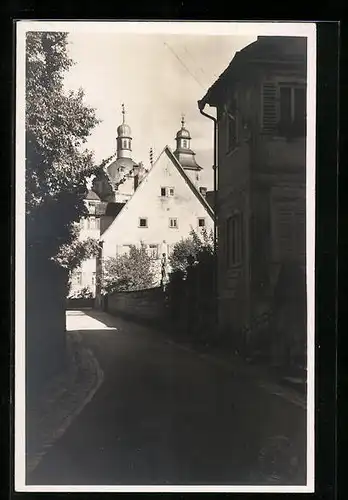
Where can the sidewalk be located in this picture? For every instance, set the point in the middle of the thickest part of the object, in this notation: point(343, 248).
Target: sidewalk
point(62, 400)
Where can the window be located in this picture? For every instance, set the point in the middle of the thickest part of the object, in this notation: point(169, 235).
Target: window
point(232, 126)
point(93, 278)
point(91, 207)
point(234, 240)
point(153, 251)
point(97, 223)
point(142, 222)
point(167, 191)
point(284, 108)
point(292, 108)
point(197, 177)
point(290, 231)
point(91, 223)
point(77, 278)
point(184, 143)
point(201, 222)
point(173, 223)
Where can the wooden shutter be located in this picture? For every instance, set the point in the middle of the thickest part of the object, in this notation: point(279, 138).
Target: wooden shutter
point(269, 106)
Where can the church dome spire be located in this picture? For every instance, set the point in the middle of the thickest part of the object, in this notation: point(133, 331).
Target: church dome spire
point(183, 134)
point(124, 138)
point(184, 153)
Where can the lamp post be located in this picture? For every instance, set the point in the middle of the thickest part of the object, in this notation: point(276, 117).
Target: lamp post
point(99, 275)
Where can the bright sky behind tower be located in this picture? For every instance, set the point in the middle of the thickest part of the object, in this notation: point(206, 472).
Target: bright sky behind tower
point(158, 77)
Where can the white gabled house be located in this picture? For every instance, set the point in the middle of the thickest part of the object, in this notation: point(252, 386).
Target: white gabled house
point(129, 204)
point(164, 209)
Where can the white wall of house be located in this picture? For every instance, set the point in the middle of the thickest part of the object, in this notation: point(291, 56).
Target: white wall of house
point(162, 211)
point(85, 276)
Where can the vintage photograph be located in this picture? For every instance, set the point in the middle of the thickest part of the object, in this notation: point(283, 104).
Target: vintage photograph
point(165, 180)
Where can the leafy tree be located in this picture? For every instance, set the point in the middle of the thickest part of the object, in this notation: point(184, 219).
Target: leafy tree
point(83, 293)
point(191, 249)
point(133, 271)
point(71, 255)
point(58, 124)
point(190, 292)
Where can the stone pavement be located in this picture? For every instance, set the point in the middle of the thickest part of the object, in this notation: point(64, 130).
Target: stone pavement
point(62, 400)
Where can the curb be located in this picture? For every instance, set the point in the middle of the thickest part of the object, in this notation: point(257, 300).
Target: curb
point(69, 400)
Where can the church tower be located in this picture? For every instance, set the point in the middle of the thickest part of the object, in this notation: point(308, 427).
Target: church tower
point(185, 155)
point(122, 171)
point(124, 138)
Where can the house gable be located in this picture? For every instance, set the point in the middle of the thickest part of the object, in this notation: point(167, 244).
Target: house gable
point(185, 205)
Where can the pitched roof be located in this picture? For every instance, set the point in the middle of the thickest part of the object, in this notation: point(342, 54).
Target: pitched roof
point(182, 172)
point(187, 179)
point(187, 159)
point(283, 49)
point(113, 209)
point(91, 195)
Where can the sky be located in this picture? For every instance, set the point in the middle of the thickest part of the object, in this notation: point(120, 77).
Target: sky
point(158, 77)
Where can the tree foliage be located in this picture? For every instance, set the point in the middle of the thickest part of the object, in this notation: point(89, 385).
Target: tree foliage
point(71, 255)
point(58, 124)
point(128, 272)
point(190, 291)
point(191, 250)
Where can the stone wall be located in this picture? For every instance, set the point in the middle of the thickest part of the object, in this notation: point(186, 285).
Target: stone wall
point(146, 306)
point(81, 303)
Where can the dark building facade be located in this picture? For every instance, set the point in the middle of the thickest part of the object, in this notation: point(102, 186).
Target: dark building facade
point(261, 200)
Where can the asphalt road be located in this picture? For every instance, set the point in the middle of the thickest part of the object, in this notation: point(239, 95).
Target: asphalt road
point(164, 415)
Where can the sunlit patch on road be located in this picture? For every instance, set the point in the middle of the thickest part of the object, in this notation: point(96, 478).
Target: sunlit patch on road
point(79, 320)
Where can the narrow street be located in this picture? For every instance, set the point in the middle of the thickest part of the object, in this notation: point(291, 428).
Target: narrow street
point(165, 415)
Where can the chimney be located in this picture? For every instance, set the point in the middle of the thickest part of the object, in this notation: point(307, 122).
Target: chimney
point(203, 191)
